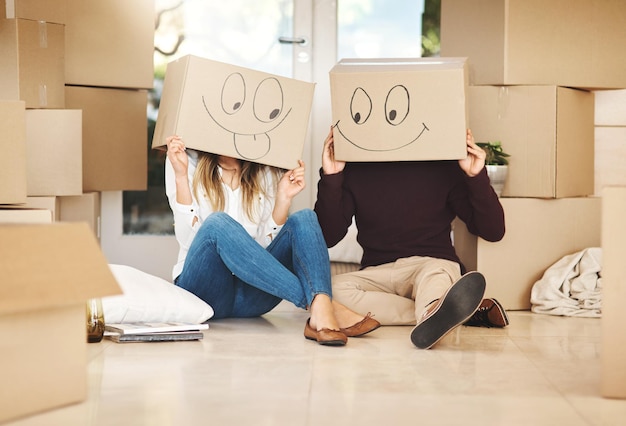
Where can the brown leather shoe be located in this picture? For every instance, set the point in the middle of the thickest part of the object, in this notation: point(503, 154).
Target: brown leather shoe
point(366, 325)
point(325, 336)
point(490, 313)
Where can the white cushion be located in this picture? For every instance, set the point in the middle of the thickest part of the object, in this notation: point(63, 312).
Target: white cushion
point(147, 298)
point(348, 249)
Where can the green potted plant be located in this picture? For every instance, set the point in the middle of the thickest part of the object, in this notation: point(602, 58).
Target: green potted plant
point(497, 164)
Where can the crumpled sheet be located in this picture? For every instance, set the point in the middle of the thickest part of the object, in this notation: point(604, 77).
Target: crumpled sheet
point(571, 287)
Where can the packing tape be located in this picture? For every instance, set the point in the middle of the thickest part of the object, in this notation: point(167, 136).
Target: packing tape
point(43, 96)
point(43, 34)
point(503, 102)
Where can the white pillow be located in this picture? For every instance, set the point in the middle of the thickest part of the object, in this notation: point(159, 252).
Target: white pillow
point(147, 298)
point(348, 249)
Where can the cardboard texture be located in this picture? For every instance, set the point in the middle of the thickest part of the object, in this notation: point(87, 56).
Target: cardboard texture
point(613, 347)
point(51, 203)
point(42, 314)
point(115, 137)
point(573, 43)
point(234, 111)
point(110, 43)
point(24, 214)
point(33, 62)
point(12, 167)
point(539, 232)
point(36, 10)
point(547, 130)
point(610, 107)
point(610, 153)
point(54, 152)
point(399, 109)
point(82, 208)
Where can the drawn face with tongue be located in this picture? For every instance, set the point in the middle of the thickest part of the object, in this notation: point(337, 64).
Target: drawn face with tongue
point(250, 113)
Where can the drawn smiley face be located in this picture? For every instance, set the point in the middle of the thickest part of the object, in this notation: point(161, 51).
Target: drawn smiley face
point(249, 114)
point(389, 111)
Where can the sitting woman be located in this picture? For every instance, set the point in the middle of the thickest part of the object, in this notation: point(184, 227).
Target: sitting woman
point(241, 252)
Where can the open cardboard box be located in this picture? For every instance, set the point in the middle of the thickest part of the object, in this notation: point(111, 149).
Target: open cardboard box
point(48, 273)
point(399, 109)
point(234, 111)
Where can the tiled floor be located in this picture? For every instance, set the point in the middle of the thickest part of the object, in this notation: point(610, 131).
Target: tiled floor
point(540, 370)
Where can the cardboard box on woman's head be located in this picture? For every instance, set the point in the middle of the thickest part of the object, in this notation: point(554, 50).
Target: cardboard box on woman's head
point(234, 111)
point(399, 109)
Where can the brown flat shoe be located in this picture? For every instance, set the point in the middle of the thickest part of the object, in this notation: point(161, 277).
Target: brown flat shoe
point(325, 336)
point(366, 325)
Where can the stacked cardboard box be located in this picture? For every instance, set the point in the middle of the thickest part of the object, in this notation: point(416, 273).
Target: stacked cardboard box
point(535, 66)
point(74, 76)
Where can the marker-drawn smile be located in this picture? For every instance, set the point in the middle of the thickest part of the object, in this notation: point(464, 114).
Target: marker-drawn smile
point(424, 129)
point(249, 124)
point(396, 109)
point(250, 146)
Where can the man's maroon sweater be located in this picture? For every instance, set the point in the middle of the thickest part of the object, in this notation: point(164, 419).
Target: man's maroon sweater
point(404, 209)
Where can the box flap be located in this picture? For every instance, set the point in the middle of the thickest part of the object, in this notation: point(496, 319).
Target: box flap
point(54, 265)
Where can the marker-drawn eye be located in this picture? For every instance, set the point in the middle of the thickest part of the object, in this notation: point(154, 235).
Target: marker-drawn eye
point(360, 106)
point(268, 100)
point(397, 105)
point(233, 93)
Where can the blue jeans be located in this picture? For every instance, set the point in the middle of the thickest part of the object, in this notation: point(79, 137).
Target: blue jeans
point(234, 274)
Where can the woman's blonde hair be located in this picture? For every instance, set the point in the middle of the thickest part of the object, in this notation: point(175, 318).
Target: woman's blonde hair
point(207, 176)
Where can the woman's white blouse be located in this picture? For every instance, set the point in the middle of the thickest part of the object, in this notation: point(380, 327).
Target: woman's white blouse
point(263, 231)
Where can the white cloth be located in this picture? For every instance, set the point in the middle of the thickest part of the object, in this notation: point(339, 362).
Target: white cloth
point(571, 287)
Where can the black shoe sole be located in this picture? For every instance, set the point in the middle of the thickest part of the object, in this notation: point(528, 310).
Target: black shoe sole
point(459, 304)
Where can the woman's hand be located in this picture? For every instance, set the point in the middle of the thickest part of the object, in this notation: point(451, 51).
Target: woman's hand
point(177, 155)
point(292, 182)
point(330, 166)
point(290, 185)
point(475, 160)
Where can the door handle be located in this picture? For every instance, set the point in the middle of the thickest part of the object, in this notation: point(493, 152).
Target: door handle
point(292, 40)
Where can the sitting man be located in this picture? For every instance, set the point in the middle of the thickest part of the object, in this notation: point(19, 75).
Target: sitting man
point(410, 272)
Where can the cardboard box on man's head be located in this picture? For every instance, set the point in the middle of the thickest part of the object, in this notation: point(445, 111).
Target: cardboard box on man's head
point(399, 109)
point(234, 111)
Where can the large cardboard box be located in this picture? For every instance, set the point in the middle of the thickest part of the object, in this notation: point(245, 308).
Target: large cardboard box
point(399, 109)
point(613, 345)
point(110, 43)
point(610, 157)
point(36, 10)
point(573, 43)
point(547, 130)
point(54, 152)
point(115, 137)
point(234, 111)
point(539, 232)
point(13, 140)
point(43, 361)
point(33, 62)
